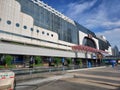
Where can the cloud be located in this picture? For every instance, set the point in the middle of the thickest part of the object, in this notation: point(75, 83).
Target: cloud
point(90, 18)
point(109, 23)
point(103, 18)
point(113, 36)
point(101, 15)
point(96, 19)
point(76, 8)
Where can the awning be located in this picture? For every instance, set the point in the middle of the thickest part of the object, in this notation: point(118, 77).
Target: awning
point(87, 49)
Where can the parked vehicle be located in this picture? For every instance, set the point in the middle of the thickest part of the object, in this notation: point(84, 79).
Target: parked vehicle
point(7, 80)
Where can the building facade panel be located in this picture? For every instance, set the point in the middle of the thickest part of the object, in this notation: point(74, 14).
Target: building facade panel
point(6, 48)
point(32, 22)
point(82, 37)
point(48, 20)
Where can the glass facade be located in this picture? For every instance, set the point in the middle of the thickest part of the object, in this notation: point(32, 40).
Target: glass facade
point(89, 42)
point(48, 20)
point(103, 45)
point(85, 30)
point(66, 31)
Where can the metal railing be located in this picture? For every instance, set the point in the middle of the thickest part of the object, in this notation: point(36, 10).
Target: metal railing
point(30, 71)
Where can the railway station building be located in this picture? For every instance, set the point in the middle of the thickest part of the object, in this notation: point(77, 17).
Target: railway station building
point(31, 28)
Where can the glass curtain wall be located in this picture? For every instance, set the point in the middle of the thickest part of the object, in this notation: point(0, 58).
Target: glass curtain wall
point(103, 45)
point(48, 20)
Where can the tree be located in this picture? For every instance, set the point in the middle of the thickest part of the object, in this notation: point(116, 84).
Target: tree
point(57, 61)
point(38, 60)
point(69, 61)
point(80, 62)
point(8, 59)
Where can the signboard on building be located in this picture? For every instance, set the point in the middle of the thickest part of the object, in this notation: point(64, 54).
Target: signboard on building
point(89, 36)
point(94, 56)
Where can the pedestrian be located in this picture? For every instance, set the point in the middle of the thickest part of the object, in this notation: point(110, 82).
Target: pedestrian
point(63, 61)
point(31, 63)
point(113, 64)
point(50, 61)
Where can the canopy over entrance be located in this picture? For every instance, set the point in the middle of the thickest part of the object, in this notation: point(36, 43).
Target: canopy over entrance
point(87, 49)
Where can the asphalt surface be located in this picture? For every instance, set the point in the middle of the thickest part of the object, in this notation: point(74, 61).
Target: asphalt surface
point(94, 79)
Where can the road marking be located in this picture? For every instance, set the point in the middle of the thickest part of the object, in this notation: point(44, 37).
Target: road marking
point(92, 83)
point(96, 76)
point(34, 82)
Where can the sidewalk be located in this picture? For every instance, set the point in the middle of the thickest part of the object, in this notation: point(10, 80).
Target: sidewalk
point(105, 78)
point(46, 74)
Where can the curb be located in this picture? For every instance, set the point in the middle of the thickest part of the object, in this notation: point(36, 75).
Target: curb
point(85, 69)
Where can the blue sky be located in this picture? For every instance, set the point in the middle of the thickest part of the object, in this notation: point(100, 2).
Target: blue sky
point(100, 16)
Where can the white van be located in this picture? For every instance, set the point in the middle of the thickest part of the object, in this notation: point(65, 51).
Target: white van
point(7, 80)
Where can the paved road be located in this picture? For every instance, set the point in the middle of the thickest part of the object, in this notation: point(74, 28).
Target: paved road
point(94, 79)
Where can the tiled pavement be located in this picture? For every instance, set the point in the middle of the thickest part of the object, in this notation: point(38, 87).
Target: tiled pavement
point(91, 79)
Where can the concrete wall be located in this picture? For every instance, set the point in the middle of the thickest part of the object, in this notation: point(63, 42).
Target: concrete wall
point(11, 10)
point(83, 35)
point(6, 48)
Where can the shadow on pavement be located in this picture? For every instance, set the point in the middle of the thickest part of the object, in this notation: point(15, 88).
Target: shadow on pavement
point(118, 88)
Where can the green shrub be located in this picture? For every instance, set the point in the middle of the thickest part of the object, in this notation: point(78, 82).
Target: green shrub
point(57, 61)
point(69, 61)
point(78, 62)
point(38, 60)
point(8, 59)
point(81, 62)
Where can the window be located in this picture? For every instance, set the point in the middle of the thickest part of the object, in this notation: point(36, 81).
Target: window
point(9, 22)
point(43, 32)
point(51, 35)
point(31, 29)
point(48, 34)
point(37, 31)
point(89, 42)
point(17, 24)
point(25, 27)
point(0, 19)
